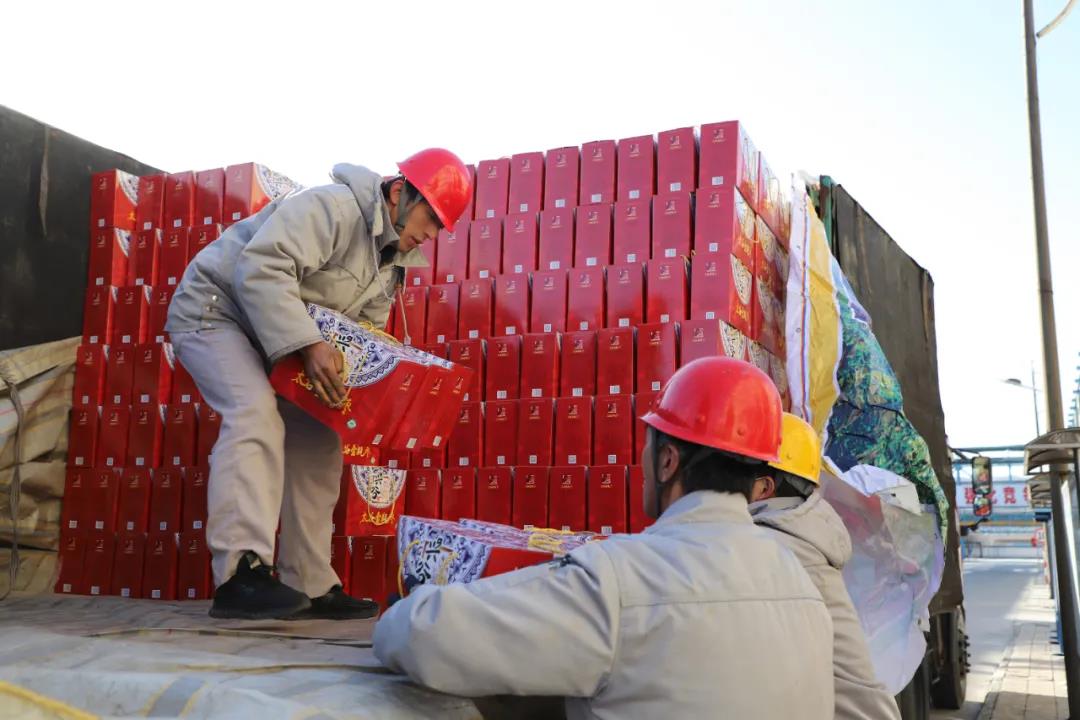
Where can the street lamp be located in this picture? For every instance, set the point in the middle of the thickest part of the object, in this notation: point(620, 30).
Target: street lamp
point(1015, 382)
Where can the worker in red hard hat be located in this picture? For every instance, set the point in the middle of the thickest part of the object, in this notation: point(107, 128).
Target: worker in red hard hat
point(241, 307)
point(702, 615)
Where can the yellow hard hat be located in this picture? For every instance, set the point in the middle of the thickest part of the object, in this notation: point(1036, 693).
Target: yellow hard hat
point(800, 449)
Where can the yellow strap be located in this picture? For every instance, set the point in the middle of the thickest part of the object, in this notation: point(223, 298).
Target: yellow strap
point(57, 708)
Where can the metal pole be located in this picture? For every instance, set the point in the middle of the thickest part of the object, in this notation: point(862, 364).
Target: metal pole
point(1052, 386)
point(1035, 400)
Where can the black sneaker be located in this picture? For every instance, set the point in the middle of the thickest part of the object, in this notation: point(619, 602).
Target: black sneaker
point(336, 605)
point(255, 593)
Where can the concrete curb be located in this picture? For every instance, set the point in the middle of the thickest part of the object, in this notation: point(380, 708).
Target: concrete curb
point(990, 703)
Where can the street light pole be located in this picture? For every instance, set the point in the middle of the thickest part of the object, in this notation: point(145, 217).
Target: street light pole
point(1035, 400)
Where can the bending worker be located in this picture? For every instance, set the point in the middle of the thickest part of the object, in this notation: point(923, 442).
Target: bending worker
point(702, 615)
point(239, 308)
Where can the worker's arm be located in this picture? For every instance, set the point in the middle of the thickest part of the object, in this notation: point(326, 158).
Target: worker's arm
point(545, 630)
point(296, 240)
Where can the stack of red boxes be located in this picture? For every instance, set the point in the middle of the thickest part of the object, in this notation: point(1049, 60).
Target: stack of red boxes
point(135, 503)
point(581, 280)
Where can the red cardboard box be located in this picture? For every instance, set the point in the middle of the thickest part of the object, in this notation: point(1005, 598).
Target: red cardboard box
point(113, 196)
point(195, 505)
point(573, 431)
point(428, 459)
point(173, 258)
point(503, 368)
point(637, 168)
point(201, 236)
point(638, 519)
point(578, 360)
point(672, 217)
point(633, 231)
point(209, 197)
point(101, 497)
point(561, 178)
point(250, 187)
point(452, 254)
point(458, 493)
point(145, 435)
point(159, 313)
point(765, 249)
point(526, 182)
point(493, 490)
point(144, 256)
point(423, 493)
point(166, 500)
point(370, 571)
point(519, 243)
point(500, 432)
point(90, 364)
point(512, 304)
point(548, 312)
point(530, 497)
point(492, 188)
point(466, 444)
point(341, 560)
point(536, 431)
point(607, 499)
point(375, 499)
point(153, 372)
point(474, 316)
point(613, 429)
point(642, 404)
point(721, 288)
point(82, 442)
point(184, 389)
point(728, 158)
point(470, 354)
point(767, 202)
point(424, 275)
point(657, 355)
point(132, 313)
point(676, 161)
point(625, 295)
point(73, 508)
point(597, 172)
point(592, 236)
point(540, 365)
point(160, 567)
point(179, 200)
point(72, 554)
point(556, 239)
point(471, 209)
point(709, 338)
point(413, 307)
point(666, 290)
point(724, 223)
point(109, 250)
point(396, 459)
point(179, 445)
point(98, 314)
point(568, 491)
point(100, 554)
point(209, 426)
point(128, 564)
point(615, 361)
point(585, 299)
point(442, 313)
point(133, 506)
point(485, 248)
point(113, 436)
point(150, 208)
point(193, 566)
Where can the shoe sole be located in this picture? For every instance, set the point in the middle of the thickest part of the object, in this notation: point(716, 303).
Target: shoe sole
point(271, 614)
point(308, 615)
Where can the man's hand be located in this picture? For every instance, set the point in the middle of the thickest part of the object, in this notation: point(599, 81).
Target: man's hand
point(324, 364)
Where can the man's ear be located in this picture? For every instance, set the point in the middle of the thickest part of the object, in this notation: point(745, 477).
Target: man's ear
point(764, 488)
point(669, 463)
point(395, 192)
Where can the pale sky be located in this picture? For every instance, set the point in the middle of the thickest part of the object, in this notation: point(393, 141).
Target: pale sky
point(917, 108)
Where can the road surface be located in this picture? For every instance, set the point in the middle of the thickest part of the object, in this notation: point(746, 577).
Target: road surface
point(992, 593)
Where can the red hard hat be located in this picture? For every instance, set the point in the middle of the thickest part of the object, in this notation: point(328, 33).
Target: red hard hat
point(721, 403)
point(442, 179)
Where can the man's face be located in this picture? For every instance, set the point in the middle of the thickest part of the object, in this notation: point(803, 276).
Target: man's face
point(421, 226)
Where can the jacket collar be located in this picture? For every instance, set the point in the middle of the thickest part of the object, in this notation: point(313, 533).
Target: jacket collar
point(705, 506)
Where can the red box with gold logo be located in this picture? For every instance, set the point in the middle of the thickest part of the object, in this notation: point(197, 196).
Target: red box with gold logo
point(71, 556)
point(512, 304)
point(466, 444)
point(201, 236)
point(145, 435)
point(633, 231)
point(179, 200)
point(540, 365)
point(132, 314)
point(83, 438)
point(642, 404)
point(500, 432)
point(442, 313)
point(597, 183)
point(108, 262)
point(672, 217)
point(724, 223)
point(249, 187)
point(144, 256)
point(209, 197)
point(178, 449)
point(423, 493)
point(556, 239)
point(133, 506)
point(485, 248)
point(166, 499)
point(636, 168)
point(503, 375)
point(657, 355)
point(458, 493)
point(613, 431)
point(153, 373)
point(573, 430)
point(721, 288)
point(209, 426)
point(625, 295)
point(493, 493)
point(98, 314)
point(173, 258)
point(567, 497)
point(530, 496)
point(150, 208)
point(519, 243)
point(113, 197)
point(375, 500)
point(113, 436)
point(585, 299)
point(492, 188)
point(548, 311)
point(536, 431)
point(193, 566)
point(470, 354)
point(607, 499)
point(615, 361)
point(128, 564)
point(577, 375)
point(666, 290)
point(416, 276)
point(90, 364)
point(561, 178)
point(728, 158)
point(592, 236)
point(160, 566)
point(452, 254)
point(475, 310)
point(73, 510)
point(101, 496)
point(676, 161)
point(196, 502)
point(413, 305)
point(100, 554)
point(526, 182)
point(159, 313)
point(371, 561)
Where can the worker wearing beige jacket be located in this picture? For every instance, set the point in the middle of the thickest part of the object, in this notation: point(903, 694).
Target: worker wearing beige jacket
point(703, 615)
point(240, 307)
point(788, 503)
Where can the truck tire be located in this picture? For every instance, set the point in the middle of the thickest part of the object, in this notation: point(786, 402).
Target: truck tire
point(914, 700)
point(950, 686)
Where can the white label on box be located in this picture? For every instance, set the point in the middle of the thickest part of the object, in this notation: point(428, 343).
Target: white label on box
point(236, 216)
point(532, 459)
point(79, 460)
point(484, 274)
point(99, 524)
point(655, 385)
point(197, 525)
point(631, 257)
point(140, 281)
point(144, 398)
point(139, 462)
point(208, 220)
point(635, 194)
point(566, 528)
point(710, 315)
point(675, 187)
point(571, 459)
point(590, 262)
point(130, 526)
point(177, 223)
point(99, 281)
point(523, 207)
point(191, 593)
point(155, 594)
point(529, 527)
point(466, 397)
point(717, 180)
point(427, 462)
point(125, 339)
point(163, 526)
point(172, 281)
point(583, 325)
point(440, 338)
point(159, 339)
point(93, 339)
point(577, 392)
point(473, 334)
point(714, 247)
point(596, 197)
point(605, 530)
point(411, 444)
point(462, 462)
point(519, 268)
point(109, 462)
point(611, 459)
point(176, 460)
point(560, 203)
point(101, 222)
point(147, 226)
point(391, 464)
point(116, 399)
point(436, 441)
point(537, 392)
point(85, 399)
point(377, 439)
point(95, 589)
point(125, 592)
point(67, 587)
point(185, 398)
point(449, 277)
point(670, 253)
point(500, 459)
point(511, 330)
point(624, 322)
point(547, 327)
point(665, 318)
point(416, 281)
point(72, 524)
point(500, 394)
point(554, 265)
point(490, 214)
point(614, 389)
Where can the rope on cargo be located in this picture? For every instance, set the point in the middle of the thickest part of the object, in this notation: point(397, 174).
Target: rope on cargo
point(55, 707)
point(15, 489)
